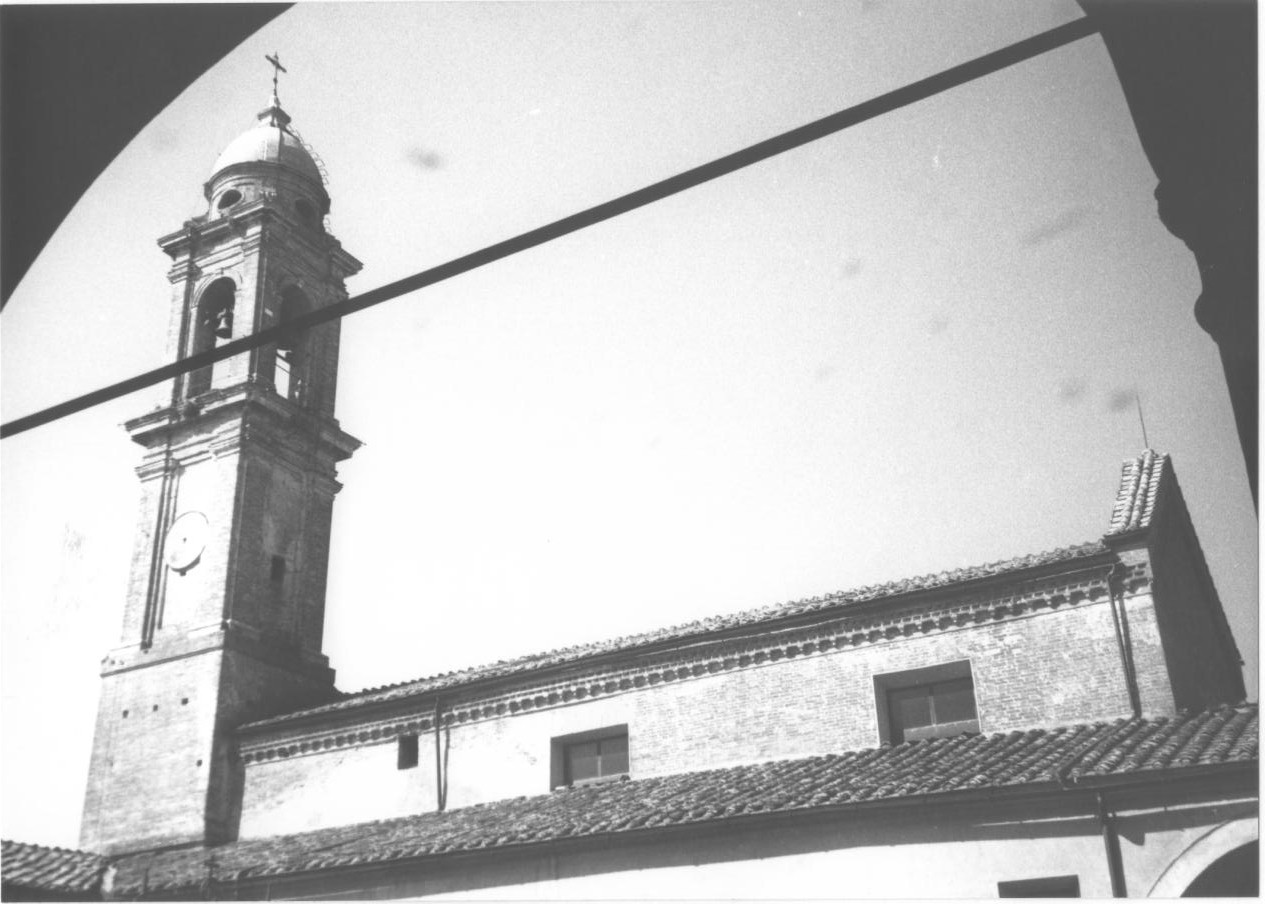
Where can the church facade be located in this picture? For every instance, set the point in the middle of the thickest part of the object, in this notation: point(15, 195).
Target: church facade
point(1069, 722)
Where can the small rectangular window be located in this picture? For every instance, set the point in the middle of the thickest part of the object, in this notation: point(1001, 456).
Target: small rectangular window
point(933, 702)
point(590, 760)
point(1046, 887)
point(278, 569)
point(937, 710)
point(592, 756)
point(407, 757)
point(281, 373)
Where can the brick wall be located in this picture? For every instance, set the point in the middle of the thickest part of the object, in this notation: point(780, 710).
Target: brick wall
point(1058, 666)
point(150, 768)
point(197, 596)
point(230, 643)
point(167, 772)
point(170, 775)
point(286, 512)
point(142, 555)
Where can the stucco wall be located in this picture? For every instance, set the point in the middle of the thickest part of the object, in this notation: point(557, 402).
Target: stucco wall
point(895, 852)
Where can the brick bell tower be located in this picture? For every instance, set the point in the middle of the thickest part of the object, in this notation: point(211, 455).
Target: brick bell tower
point(225, 604)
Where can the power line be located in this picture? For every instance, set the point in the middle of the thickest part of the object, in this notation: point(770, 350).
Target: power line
point(771, 147)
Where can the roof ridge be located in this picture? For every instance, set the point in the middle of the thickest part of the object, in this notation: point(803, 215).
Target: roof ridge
point(1138, 496)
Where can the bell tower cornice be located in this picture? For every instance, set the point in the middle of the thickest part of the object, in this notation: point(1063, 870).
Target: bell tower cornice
point(242, 412)
point(195, 239)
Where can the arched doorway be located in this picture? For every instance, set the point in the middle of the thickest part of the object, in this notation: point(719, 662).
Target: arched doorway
point(1232, 875)
point(1222, 862)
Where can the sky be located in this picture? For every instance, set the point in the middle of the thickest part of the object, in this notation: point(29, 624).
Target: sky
point(906, 348)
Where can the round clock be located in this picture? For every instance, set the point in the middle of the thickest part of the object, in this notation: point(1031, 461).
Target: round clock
point(186, 538)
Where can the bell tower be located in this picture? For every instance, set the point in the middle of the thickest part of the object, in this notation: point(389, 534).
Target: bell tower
point(225, 605)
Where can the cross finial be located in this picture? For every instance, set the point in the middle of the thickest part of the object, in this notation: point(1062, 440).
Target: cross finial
point(277, 69)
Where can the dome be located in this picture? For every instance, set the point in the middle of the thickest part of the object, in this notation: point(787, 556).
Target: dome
point(270, 142)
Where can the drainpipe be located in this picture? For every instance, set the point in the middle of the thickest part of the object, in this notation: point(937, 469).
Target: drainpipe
point(1111, 843)
point(439, 768)
point(1107, 821)
point(1123, 641)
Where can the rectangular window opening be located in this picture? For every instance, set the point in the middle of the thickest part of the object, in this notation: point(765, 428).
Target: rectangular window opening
point(933, 702)
point(278, 569)
point(282, 372)
point(1045, 887)
point(588, 757)
point(407, 756)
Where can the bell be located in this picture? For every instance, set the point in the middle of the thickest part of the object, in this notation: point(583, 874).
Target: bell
point(224, 323)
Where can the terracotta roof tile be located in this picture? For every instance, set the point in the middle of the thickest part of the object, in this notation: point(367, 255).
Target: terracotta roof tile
point(50, 869)
point(1066, 755)
point(1140, 482)
point(748, 618)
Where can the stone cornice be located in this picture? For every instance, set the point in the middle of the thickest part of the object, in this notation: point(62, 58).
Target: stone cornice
point(183, 271)
point(380, 723)
point(222, 420)
point(231, 634)
point(319, 244)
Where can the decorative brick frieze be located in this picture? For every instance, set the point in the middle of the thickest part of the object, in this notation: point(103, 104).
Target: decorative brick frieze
point(839, 633)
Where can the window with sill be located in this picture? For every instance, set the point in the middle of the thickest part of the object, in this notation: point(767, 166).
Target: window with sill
point(588, 757)
point(933, 702)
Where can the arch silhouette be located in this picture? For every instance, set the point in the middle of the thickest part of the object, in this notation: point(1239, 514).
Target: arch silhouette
point(212, 323)
point(1202, 854)
point(291, 354)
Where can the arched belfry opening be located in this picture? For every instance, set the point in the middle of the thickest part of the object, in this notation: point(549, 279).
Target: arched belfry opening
point(291, 354)
point(212, 326)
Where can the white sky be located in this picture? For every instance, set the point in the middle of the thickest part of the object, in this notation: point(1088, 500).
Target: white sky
point(899, 350)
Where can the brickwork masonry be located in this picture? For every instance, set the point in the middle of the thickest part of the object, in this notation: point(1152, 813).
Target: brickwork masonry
point(1042, 653)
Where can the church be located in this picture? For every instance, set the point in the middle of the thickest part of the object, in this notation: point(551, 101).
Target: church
point(1064, 723)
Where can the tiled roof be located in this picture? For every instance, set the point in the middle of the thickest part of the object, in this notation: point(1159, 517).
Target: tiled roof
point(1040, 757)
point(1140, 481)
point(748, 618)
point(50, 869)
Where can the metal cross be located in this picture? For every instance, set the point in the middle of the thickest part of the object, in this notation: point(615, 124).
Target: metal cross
point(277, 69)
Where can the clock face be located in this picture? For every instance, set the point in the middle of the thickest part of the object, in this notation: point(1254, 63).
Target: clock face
point(185, 541)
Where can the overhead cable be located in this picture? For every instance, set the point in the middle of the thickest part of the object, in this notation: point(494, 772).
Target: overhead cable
point(771, 147)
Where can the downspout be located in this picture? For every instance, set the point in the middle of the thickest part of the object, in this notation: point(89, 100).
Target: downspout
point(1107, 821)
point(1123, 641)
point(440, 795)
point(1111, 843)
